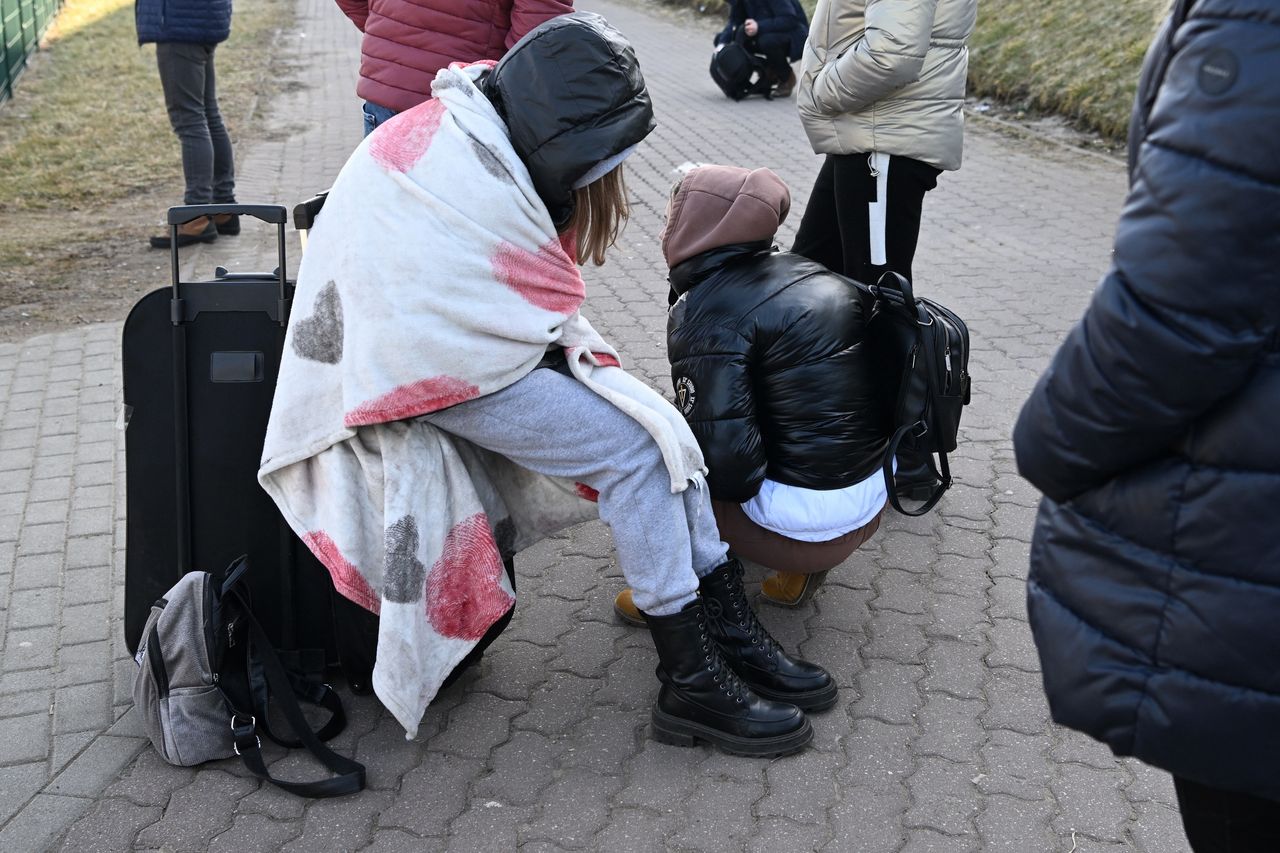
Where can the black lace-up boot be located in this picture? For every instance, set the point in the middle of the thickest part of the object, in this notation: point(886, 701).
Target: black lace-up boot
point(702, 699)
point(753, 654)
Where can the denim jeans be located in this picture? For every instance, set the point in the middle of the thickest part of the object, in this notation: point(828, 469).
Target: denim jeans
point(375, 115)
point(191, 97)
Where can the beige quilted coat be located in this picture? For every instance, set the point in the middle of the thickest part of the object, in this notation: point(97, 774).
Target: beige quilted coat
point(887, 76)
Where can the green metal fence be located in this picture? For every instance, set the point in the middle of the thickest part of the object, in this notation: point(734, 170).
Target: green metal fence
point(22, 23)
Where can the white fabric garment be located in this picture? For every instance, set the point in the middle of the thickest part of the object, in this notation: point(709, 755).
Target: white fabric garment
point(813, 515)
point(434, 275)
point(878, 210)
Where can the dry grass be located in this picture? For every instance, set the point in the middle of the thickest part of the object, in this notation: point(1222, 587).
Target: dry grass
point(1077, 58)
point(87, 126)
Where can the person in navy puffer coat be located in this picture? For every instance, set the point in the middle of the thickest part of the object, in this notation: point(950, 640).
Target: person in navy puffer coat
point(185, 33)
point(1154, 591)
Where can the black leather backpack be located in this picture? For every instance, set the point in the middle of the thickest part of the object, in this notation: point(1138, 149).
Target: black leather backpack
point(733, 66)
point(924, 350)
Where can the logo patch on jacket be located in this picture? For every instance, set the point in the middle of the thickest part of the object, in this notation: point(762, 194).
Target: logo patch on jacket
point(1218, 72)
point(686, 395)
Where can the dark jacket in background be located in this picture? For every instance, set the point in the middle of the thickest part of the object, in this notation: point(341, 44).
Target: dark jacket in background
point(766, 349)
point(1154, 591)
point(194, 21)
point(780, 21)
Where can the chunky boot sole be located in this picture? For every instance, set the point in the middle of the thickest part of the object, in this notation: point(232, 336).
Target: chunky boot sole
point(808, 701)
point(680, 732)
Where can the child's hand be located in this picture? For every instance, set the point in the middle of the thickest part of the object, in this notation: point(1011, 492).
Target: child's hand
point(751, 27)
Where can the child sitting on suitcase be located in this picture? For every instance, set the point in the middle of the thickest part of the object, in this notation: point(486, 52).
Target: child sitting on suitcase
point(443, 402)
point(770, 369)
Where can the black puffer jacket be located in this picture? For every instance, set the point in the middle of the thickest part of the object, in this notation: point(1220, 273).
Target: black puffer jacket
point(766, 349)
point(1155, 434)
point(572, 95)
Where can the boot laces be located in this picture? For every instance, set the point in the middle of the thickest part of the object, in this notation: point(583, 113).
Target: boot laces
point(745, 616)
point(730, 684)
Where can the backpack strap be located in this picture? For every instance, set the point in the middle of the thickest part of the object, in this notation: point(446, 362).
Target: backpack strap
point(944, 471)
point(304, 689)
point(350, 774)
point(308, 690)
point(232, 574)
point(929, 353)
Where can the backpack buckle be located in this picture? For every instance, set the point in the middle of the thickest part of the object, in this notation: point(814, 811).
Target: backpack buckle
point(241, 732)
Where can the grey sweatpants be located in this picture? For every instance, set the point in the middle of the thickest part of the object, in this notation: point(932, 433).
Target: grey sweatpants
point(553, 424)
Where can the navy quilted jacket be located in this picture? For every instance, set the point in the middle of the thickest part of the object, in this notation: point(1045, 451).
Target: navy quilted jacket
point(783, 21)
point(1154, 591)
point(197, 21)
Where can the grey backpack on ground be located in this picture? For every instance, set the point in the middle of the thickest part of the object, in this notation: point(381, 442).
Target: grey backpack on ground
point(206, 675)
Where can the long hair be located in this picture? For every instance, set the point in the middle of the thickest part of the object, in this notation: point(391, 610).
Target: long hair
point(600, 210)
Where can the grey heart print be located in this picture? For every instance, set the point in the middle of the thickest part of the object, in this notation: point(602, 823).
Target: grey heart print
point(405, 573)
point(319, 337)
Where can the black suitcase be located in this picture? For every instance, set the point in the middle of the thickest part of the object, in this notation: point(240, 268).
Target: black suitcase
point(200, 361)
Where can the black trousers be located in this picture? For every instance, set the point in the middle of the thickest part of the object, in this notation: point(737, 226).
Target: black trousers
point(836, 230)
point(775, 47)
point(1218, 821)
point(191, 97)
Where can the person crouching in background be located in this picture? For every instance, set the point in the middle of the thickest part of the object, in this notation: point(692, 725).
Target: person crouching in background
point(775, 28)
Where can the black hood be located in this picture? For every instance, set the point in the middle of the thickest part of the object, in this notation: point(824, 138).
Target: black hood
point(685, 275)
point(572, 95)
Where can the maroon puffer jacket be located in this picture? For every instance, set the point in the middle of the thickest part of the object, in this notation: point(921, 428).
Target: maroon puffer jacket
point(407, 41)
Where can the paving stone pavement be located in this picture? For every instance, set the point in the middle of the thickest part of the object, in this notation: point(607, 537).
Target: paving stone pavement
point(941, 740)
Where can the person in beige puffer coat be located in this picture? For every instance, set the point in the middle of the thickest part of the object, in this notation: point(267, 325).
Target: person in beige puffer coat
point(881, 94)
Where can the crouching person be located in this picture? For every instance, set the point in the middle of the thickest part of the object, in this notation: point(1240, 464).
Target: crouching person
point(442, 401)
point(775, 28)
point(770, 370)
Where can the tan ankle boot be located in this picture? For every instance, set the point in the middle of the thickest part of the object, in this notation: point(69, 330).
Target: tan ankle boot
point(626, 609)
point(227, 223)
point(790, 589)
point(199, 230)
point(784, 88)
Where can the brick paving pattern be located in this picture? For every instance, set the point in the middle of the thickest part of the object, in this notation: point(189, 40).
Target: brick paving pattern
point(941, 740)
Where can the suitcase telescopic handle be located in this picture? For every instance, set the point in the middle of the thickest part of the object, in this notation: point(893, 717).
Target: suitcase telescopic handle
point(274, 214)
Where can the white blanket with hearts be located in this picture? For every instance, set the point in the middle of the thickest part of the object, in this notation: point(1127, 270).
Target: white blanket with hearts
point(433, 276)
